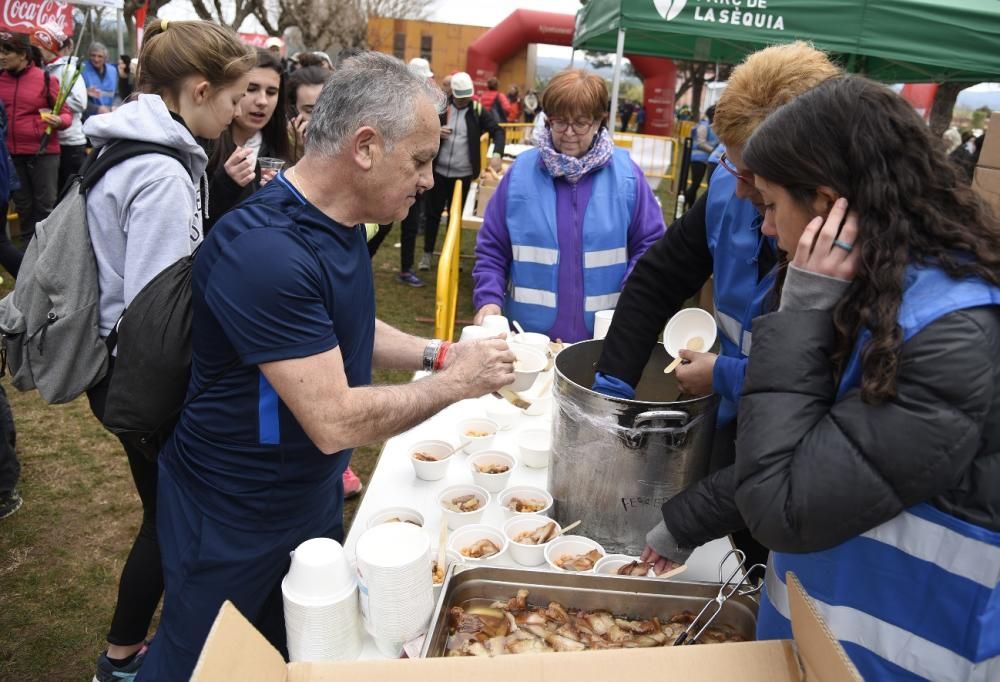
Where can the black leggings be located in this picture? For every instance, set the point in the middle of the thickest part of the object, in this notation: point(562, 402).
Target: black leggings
point(697, 174)
point(141, 583)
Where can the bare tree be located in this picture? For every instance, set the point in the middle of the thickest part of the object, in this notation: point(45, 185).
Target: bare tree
point(333, 24)
point(944, 105)
point(231, 13)
point(693, 75)
point(128, 13)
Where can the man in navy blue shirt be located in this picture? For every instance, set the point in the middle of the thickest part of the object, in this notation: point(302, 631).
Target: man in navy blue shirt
point(284, 335)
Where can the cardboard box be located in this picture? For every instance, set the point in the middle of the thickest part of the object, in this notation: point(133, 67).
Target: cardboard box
point(236, 651)
point(483, 196)
point(987, 179)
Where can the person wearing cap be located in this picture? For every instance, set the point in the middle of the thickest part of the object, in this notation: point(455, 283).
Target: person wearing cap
point(101, 80)
point(421, 67)
point(458, 160)
point(274, 46)
point(29, 93)
point(411, 224)
point(56, 54)
point(567, 222)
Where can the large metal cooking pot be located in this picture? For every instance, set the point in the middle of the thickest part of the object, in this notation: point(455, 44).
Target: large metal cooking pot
point(614, 461)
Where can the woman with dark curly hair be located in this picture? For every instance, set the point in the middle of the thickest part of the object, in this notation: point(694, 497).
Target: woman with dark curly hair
point(868, 454)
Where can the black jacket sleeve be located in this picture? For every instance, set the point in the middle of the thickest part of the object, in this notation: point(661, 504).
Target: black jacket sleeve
point(812, 472)
point(705, 511)
point(488, 122)
point(670, 272)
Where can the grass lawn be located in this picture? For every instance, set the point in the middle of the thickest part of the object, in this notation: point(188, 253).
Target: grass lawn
point(62, 553)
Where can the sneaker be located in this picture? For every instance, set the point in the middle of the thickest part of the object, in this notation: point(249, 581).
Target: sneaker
point(425, 262)
point(107, 672)
point(409, 279)
point(9, 504)
point(352, 484)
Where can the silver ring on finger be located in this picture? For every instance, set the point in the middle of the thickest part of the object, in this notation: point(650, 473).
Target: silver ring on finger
point(844, 245)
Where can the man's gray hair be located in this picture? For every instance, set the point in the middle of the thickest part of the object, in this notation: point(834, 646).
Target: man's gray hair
point(98, 47)
point(369, 89)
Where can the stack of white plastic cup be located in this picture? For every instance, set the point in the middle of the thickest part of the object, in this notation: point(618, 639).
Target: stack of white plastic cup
point(395, 584)
point(322, 621)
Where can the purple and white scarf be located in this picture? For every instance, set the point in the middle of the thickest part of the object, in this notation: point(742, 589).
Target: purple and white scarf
point(560, 165)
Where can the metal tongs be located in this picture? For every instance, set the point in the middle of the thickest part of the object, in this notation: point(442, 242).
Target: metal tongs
point(737, 584)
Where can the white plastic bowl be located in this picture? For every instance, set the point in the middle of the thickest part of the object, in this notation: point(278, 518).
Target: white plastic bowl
point(610, 564)
point(501, 411)
point(525, 492)
point(458, 519)
point(404, 514)
point(494, 483)
point(523, 553)
point(450, 558)
point(534, 446)
point(569, 544)
point(533, 340)
point(687, 324)
point(319, 570)
point(528, 365)
point(431, 471)
point(478, 425)
point(469, 535)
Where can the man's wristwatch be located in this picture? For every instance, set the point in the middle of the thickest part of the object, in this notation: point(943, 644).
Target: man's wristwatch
point(430, 354)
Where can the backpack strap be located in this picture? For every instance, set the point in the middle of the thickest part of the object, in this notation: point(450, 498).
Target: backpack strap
point(97, 164)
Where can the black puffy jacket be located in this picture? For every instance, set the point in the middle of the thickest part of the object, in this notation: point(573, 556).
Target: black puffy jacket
point(812, 473)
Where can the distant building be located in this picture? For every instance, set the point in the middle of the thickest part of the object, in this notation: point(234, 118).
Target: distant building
point(445, 47)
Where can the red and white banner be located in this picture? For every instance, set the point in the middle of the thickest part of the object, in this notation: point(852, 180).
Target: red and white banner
point(23, 16)
point(255, 39)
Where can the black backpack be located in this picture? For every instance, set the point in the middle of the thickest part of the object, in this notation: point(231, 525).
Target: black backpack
point(153, 366)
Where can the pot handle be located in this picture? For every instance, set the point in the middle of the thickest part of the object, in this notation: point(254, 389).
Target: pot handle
point(634, 436)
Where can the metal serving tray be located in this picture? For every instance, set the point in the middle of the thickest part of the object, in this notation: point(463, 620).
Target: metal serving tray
point(634, 597)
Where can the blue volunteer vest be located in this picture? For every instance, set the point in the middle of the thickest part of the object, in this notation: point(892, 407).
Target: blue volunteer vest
point(735, 240)
point(716, 155)
point(532, 287)
point(918, 596)
point(700, 154)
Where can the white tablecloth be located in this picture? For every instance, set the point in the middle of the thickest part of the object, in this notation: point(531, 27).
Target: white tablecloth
point(394, 484)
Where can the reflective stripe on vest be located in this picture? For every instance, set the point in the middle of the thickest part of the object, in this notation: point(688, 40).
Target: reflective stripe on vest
point(732, 228)
point(533, 296)
point(920, 593)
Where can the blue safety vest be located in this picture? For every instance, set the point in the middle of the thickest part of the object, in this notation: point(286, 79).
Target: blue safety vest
point(735, 240)
point(918, 596)
point(701, 154)
point(716, 155)
point(532, 287)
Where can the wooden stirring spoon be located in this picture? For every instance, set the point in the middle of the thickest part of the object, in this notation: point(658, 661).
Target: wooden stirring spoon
point(695, 344)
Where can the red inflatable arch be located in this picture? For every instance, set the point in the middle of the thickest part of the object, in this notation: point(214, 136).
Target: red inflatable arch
point(525, 26)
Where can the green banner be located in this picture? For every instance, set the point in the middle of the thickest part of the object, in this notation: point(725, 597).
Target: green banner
point(891, 40)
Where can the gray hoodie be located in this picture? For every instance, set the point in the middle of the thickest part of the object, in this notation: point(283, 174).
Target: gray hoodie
point(145, 213)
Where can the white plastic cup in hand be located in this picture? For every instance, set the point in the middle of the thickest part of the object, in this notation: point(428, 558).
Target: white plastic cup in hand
point(496, 324)
point(602, 323)
point(270, 163)
point(686, 325)
point(473, 332)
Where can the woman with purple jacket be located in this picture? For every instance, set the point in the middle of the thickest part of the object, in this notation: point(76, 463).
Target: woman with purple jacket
point(568, 220)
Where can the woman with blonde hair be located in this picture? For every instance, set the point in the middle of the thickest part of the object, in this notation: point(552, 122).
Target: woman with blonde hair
point(144, 214)
point(718, 239)
point(567, 222)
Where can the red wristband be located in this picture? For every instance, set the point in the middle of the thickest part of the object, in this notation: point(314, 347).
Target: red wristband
point(439, 358)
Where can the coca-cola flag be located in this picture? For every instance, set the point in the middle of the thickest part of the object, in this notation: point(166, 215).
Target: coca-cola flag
point(23, 16)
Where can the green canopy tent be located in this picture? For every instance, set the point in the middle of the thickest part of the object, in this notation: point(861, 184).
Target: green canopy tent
point(895, 41)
